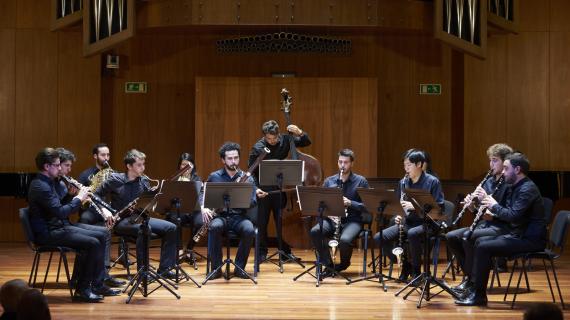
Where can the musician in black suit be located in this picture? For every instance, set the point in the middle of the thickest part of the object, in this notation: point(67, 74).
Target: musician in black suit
point(350, 225)
point(123, 188)
point(101, 155)
point(524, 211)
point(47, 219)
point(494, 186)
point(236, 219)
point(279, 146)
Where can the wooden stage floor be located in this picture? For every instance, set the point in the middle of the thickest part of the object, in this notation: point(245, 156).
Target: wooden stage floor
point(277, 296)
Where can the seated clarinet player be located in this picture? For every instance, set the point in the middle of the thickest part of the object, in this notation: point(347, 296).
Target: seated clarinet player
point(66, 193)
point(123, 188)
point(523, 210)
point(413, 228)
point(461, 241)
point(48, 218)
point(235, 220)
point(342, 229)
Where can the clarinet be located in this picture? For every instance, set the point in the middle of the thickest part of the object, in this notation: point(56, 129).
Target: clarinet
point(399, 250)
point(466, 205)
point(482, 210)
point(95, 200)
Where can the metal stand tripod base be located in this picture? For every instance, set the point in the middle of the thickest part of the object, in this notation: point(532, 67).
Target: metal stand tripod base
point(318, 273)
point(182, 275)
point(280, 253)
point(227, 263)
point(141, 282)
point(189, 257)
point(380, 277)
point(426, 280)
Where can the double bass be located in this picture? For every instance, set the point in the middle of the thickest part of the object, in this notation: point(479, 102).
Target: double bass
point(295, 230)
point(313, 171)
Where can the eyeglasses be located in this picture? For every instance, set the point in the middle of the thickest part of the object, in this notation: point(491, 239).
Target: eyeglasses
point(55, 164)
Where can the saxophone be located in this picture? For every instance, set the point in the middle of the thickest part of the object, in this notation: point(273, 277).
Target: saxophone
point(333, 243)
point(242, 178)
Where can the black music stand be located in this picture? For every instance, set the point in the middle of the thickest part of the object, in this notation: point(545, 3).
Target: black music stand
point(320, 202)
point(383, 200)
point(147, 274)
point(430, 211)
point(227, 195)
point(181, 195)
point(281, 173)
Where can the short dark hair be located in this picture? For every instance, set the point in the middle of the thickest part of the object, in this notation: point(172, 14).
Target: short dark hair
point(347, 153)
point(65, 155)
point(46, 156)
point(132, 156)
point(228, 146)
point(99, 146)
point(10, 294)
point(270, 127)
point(500, 150)
point(543, 310)
point(185, 156)
point(518, 159)
point(415, 156)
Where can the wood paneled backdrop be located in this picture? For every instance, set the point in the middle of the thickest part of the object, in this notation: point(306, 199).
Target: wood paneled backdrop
point(51, 95)
point(335, 112)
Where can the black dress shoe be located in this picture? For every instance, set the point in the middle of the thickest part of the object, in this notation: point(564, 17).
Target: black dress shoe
point(291, 258)
point(405, 273)
point(464, 285)
point(240, 274)
point(341, 267)
point(105, 291)
point(114, 282)
point(473, 299)
point(168, 274)
point(216, 275)
point(86, 295)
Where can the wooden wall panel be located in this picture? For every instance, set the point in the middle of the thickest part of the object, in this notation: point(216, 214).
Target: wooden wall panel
point(78, 99)
point(485, 105)
point(7, 98)
point(235, 108)
point(7, 14)
point(36, 95)
point(559, 96)
point(33, 14)
point(527, 91)
point(394, 103)
point(430, 119)
point(535, 15)
point(559, 11)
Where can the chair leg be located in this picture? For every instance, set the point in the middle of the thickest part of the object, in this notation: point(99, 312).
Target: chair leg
point(36, 270)
point(36, 255)
point(526, 277)
point(557, 284)
point(548, 279)
point(66, 268)
point(47, 271)
point(510, 279)
point(523, 266)
point(58, 268)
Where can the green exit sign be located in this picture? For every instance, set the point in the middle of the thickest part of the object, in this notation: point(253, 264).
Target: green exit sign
point(430, 88)
point(135, 87)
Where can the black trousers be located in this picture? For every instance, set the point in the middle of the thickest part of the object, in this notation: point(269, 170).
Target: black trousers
point(500, 246)
point(265, 206)
point(90, 244)
point(238, 224)
point(164, 229)
point(191, 220)
point(88, 216)
point(348, 232)
point(464, 250)
point(414, 234)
